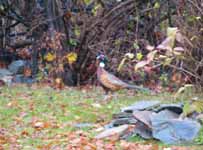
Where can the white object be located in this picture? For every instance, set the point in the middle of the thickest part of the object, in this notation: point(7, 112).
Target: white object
point(101, 64)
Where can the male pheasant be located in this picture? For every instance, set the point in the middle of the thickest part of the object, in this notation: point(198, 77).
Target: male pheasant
point(110, 82)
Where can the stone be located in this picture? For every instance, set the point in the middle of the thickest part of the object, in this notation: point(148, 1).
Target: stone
point(170, 129)
point(17, 67)
point(144, 117)
point(112, 131)
point(141, 105)
point(122, 121)
point(177, 108)
point(142, 130)
point(5, 72)
point(22, 79)
point(84, 125)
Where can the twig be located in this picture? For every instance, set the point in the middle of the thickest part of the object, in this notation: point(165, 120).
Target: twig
point(186, 71)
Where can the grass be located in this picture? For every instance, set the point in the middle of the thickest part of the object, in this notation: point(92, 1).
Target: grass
point(34, 116)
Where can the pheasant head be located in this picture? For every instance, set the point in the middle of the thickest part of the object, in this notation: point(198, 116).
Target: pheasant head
point(101, 60)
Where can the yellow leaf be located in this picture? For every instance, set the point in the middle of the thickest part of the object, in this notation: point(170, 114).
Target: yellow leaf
point(121, 64)
point(50, 57)
point(72, 57)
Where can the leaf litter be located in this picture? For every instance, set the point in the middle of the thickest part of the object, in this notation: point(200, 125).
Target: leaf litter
point(36, 121)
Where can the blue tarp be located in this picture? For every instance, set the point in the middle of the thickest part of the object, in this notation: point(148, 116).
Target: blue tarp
point(171, 130)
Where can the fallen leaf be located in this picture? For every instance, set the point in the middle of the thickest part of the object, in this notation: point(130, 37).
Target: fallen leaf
point(149, 47)
point(179, 49)
point(167, 44)
point(3, 139)
point(151, 55)
point(140, 64)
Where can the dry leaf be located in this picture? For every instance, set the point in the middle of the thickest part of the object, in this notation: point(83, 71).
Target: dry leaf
point(167, 44)
point(180, 38)
point(179, 49)
point(149, 47)
point(151, 55)
point(140, 64)
point(121, 64)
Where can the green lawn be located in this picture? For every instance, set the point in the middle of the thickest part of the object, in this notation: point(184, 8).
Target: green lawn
point(43, 118)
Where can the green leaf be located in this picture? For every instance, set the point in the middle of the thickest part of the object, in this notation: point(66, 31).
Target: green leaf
point(72, 42)
point(139, 56)
point(135, 45)
point(1, 7)
point(167, 61)
point(117, 42)
point(77, 31)
point(94, 10)
point(87, 1)
point(186, 108)
point(171, 32)
point(157, 5)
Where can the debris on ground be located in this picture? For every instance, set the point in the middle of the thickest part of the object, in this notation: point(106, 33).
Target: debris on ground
point(17, 72)
point(151, 119)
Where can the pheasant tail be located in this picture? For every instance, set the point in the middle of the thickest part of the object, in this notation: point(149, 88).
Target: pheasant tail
point(138, 88)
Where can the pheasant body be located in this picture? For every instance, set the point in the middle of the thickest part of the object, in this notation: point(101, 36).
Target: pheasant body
point(112, 83)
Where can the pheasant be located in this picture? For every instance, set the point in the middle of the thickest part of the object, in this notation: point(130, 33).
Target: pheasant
point(110, 82)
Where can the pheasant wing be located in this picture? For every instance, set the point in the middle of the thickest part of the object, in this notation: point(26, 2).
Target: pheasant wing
point(114, 80)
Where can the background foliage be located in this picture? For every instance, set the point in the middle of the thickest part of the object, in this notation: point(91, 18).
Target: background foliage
point(61, 38)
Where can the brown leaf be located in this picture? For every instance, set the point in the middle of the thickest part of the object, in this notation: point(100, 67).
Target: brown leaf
point(27, 72)
point(180, 38)
point(167, 44)
point(150, 47)
point(39, 125)
point(3, 139)
point(24, 133)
